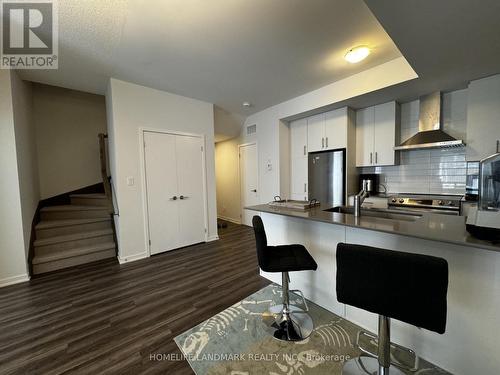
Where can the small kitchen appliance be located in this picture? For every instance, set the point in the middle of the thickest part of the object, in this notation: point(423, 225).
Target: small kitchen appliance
point(483, 220)
point(369, 182)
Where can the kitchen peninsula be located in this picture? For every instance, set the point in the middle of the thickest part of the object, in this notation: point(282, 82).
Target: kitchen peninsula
point(474, 285)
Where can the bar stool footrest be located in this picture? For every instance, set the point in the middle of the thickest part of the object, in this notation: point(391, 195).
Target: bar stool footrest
point(412, 368)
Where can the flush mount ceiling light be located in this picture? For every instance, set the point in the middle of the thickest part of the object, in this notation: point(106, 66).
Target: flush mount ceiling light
point(356, 54)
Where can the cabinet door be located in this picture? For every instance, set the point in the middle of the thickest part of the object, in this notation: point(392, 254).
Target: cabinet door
point(364, 136)
point(483, 114)
point(385, 134)
point(298, 178)
point(316, 132)
point(336, 129)
point(298, 138)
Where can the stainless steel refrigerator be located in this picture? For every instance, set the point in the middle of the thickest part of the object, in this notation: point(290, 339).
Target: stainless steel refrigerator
point(326, 177)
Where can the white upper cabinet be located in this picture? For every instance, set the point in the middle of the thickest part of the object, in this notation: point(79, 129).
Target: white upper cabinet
point(316, 132)
point(376, 133)
point(327, 131)
point(298, 138)
point(386, 127)
point(336, 129)
point(483, 118)
point(365, 120)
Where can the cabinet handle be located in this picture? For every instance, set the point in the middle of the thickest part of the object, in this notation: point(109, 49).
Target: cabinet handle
point(174, 198)
point(371, 157)
point(326, 142)
point(498, 145)
point(376, 157)
point(305, 187)
point(305, 153)
point(183, 197)
point(322, 142)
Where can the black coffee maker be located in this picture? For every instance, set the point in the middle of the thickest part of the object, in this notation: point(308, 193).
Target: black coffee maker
point(372, 182)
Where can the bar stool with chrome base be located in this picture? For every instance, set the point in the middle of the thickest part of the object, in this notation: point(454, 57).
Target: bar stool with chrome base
point(408, 287)
point(292, 322)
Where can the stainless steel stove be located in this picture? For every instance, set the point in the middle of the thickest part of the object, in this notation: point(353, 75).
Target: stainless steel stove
point(442, 204)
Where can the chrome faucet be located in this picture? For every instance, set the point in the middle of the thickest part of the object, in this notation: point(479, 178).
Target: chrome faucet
point(360, 198)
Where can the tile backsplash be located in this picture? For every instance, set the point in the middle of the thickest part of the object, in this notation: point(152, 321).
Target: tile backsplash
point(434, 171)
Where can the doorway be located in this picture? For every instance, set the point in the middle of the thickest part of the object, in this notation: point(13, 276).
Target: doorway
point(249, 180)
point(175, 190)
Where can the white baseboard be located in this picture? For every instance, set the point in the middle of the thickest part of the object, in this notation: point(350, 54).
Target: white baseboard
point(235, 221)
point(132, 258)
point(14, 280)
point(212, 238)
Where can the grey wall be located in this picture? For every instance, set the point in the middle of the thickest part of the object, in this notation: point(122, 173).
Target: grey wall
point(67, 124)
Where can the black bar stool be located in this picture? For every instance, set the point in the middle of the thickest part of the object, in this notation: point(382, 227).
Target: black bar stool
point(408, 287)
point(292, 323)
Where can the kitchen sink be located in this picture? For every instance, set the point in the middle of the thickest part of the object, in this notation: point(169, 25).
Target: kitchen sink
point(378, 212)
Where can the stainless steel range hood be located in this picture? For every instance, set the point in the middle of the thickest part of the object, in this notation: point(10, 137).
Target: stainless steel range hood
point(430, 133)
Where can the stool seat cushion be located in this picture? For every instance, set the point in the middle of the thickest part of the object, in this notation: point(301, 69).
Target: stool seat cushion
point(282, 258)
point(286, 258)
point(408, 287)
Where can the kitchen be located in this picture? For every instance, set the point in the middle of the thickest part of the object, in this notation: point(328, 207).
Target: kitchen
point(416, 203)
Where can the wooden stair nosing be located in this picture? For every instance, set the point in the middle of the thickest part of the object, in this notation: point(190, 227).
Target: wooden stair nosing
point(48, 224)
point(64, 254)
point(70, 207)
point(72, 237)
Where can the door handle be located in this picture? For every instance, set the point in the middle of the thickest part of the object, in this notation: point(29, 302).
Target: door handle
point(305, 187)
point(305, 150)
point(322, 142)
point(253, 190)
point(376, 157)
point(182, 197)
point(174, 198)
point(371, 157)
point(326, 142)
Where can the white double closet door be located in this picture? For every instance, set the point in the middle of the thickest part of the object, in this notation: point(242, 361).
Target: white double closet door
point(174, 168)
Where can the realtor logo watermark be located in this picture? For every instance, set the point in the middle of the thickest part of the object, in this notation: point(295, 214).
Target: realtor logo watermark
point(29, 34)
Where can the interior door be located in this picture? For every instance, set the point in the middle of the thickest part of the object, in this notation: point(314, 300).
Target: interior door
point(249, 181)
point(162, 191)
point(189, 156)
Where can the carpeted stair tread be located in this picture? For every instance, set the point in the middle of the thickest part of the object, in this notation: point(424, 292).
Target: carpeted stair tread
point(71, 207)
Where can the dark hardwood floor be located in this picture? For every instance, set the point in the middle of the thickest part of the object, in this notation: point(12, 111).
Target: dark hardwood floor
point(106, 318)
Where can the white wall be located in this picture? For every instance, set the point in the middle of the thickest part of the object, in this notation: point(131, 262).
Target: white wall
point(12, 242)
point(131, 108)
point(268, 136)
point(67, 124)
point(22, 103)
point(227, 178)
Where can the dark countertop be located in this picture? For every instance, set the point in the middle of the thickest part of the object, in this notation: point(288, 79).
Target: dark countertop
point(433, 227)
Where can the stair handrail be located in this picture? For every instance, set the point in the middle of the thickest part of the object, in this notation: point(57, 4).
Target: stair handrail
point(104, 169)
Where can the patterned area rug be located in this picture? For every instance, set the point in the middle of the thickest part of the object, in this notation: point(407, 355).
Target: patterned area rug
point(238, 342)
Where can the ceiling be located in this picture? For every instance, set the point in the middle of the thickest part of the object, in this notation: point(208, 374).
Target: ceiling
point(221, 51)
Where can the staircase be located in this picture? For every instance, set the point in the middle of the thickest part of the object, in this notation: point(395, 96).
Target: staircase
point(74, 234)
